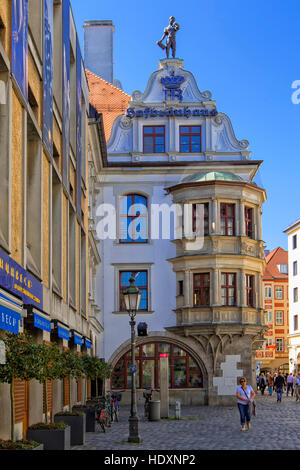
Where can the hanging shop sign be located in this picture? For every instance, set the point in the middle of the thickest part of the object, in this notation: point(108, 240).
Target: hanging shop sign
point(19, 44)
point(48, 76)
point(20, 282)
point(169, 112)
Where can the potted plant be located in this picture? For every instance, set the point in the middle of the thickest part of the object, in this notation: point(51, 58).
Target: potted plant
point(49, 366)
point(77, 422)
point(20, 363)
point(72, 367)
point(54, 436)
point(24, 444)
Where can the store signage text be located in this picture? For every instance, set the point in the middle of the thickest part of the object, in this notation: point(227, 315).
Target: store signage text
point(9, 320)
point(169, 112)
point(18, 281)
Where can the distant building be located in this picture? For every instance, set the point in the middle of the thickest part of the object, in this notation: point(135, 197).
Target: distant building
point(293, 233)
point(274, 354)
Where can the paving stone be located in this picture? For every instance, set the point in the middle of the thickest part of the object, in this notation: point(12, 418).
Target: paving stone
point(218, 429)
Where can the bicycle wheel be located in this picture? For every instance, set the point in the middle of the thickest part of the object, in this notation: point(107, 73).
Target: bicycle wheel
point(116, 414)
point(102, 426)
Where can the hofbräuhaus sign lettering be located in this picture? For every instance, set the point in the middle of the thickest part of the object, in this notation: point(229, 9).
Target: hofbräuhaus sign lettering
point(169, 112)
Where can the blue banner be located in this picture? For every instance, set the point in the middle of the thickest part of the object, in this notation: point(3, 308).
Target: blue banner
point(88, 343)
point(9, 320)
point(78, 126)
point(41, 323)
point(19, 44)
point(66, 92)
point(48, 76)
point(20, 282)
point(63, 333)
point(78, 339)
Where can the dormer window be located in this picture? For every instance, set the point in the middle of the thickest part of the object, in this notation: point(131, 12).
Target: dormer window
point(190, 139)
point(154, 139)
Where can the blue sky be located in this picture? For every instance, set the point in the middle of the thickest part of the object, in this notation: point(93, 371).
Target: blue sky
point(247, 53)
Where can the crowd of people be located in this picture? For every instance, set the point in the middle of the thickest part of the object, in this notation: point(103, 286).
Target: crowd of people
point(280, 383)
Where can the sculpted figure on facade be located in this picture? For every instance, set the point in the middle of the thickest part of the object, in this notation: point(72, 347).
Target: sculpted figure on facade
point(169, 33)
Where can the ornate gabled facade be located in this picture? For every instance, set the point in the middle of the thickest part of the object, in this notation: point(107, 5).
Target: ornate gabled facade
point(201, 284)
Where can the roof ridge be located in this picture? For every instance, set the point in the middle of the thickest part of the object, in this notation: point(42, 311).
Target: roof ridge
point(108, 83)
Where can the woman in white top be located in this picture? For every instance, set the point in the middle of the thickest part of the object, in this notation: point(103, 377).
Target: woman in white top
point(245, 395)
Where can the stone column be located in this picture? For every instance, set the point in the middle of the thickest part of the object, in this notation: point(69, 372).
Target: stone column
point(243, 289)
point(187, 289)
point(242, 218)
point(214, 219)
point(216, 288)
point(258, 223)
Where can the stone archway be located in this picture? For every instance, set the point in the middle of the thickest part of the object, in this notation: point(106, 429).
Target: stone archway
point(187, 395)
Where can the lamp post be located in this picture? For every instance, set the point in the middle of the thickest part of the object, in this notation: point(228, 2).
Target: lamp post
point(132, 298)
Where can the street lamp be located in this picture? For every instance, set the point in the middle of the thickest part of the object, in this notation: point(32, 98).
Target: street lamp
point(132, 298)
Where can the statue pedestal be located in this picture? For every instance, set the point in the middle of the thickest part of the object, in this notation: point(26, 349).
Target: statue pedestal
point(165, 63)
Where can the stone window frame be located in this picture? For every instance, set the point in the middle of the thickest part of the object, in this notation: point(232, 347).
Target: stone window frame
point(279, 319)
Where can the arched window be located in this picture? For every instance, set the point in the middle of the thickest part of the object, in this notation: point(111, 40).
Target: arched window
point(184, 371)
point(133, 219)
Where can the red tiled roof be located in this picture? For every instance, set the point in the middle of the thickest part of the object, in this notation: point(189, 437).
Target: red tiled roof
point(275, 257)
point(107, 99)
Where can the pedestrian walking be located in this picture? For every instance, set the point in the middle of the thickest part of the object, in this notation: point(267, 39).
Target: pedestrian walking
point(245, 395)
point(262, 383)
point(290, 384)
point(279, 384)
point(297, 391)
point(270, 384)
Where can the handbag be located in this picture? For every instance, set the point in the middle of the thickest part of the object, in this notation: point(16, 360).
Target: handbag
point(252, 404)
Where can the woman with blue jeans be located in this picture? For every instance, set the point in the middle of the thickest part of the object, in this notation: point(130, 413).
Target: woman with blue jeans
point(245, 395)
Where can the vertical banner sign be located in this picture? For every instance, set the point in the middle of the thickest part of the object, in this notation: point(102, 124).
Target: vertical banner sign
point(48, 76)
point(66, 91)
point(78, 128)
point(19, 44)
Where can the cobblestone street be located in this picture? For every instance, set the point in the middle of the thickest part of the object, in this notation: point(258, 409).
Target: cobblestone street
point(275, 427)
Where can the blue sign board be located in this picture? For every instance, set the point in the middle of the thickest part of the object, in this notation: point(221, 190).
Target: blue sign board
point(78, 339)
point(9, 320)
point(66, 92)
point(20, 282)
point(48, 76)
point(132, 369)
point(41, 322)
point(63, 333)
point(88, 343)
point(19, 44)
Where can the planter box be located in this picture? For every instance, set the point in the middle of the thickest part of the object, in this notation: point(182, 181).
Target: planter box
point(90, 418)
point(53, 439)
point(77, 425)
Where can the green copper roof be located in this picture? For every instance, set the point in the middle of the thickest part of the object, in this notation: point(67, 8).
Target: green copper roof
point(211, 176)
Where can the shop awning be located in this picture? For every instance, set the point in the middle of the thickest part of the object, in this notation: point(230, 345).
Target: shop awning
point(11, 312)
point(88, 343)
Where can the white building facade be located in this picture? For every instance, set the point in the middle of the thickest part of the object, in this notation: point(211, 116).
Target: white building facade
point(201, 284)
point(293, 233)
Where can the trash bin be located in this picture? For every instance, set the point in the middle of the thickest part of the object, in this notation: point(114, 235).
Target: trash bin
point(154, 410)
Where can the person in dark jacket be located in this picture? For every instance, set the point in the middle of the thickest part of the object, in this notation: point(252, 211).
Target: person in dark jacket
point(262, 383)
point(279, 384)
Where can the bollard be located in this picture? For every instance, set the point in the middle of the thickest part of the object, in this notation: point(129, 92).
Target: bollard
point(177, 409)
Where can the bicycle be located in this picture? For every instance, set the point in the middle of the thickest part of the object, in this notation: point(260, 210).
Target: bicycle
point(103, 412)
point(115, 399)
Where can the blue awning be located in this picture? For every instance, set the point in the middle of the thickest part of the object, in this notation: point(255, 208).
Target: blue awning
point(41, 322)
point(88, 343)
point(9, 320)
point(63, 333)
point(10, 312)
point(78, 339)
